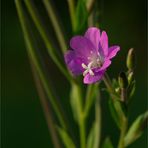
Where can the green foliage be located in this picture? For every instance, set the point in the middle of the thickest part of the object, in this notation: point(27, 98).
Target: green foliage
point(74, 101)
point(107, 143)
point(81, 17)
point(114, 113)
point(136, 129)
point(67, 141)
point(93, 140)
point(130, 62)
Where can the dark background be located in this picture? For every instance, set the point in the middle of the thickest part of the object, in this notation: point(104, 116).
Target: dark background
point(23, 123)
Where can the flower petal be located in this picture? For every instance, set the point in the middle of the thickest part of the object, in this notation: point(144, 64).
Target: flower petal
point(82, 47)
point(112, 51)
point(106, 64)
point(74, 63)
point(89, 79)
point(93, 34)
point(103, 44)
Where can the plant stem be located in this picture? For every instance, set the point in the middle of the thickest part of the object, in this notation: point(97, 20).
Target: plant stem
point(89, 98)
point(81, 122)
point(35, 59)
point(56, 25)
point(42, 31)
point(124, 121)
point(46, 110)
point(89, 5)
point(82, 131)
point(108, 83)
point(72, 13)
point(121, 143)
point(98, 119)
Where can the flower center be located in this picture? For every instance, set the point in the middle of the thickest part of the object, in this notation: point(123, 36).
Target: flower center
point(94, 63)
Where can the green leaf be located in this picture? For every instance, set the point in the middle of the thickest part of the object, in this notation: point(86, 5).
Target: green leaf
point(75, 98)
point(67, 141)
point(81, 17)
point(114, 113)
point(107, 143)
point(90, 140)
point(92, 90)
point(136, 129)
point(93, 140)
point(118, 111)
point(93, 137)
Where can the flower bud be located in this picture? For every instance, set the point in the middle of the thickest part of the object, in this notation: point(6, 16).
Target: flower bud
point(122, 79)
point(130, 77)
point(117, 90)
point(130, 62)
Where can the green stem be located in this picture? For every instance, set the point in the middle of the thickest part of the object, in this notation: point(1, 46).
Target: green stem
point(121, 143)
point(110, 88)
point(46, 110)
point(82, 131)
point(108, 83)
point(35, 59)
point(42, 31)
point(124, 121)
point(89, 5)
point(98, 119)
point(56, 25)
point(89, 98)
point(81, 122)
point(72, 13)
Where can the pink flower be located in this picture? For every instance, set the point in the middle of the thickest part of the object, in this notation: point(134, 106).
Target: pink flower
point(90, 55)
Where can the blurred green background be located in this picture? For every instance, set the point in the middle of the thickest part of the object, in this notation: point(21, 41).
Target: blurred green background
point(23, 123)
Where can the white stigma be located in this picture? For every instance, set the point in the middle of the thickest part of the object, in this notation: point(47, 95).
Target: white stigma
point(94, 62)
point(87, 69)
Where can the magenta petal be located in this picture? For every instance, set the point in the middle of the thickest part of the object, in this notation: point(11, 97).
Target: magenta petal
point(112, 51)
point(73, 63)
point(82, 46)
point(106, 64)
point(88, 79)
point(93, 34)
point(104, 43)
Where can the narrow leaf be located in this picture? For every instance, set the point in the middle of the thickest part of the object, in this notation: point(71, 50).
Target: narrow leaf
point(107, 143)
point(81, 16)
point(94, 135)
point(67, 141)
point(74, 101)
point(114, 113)
point(136, 129)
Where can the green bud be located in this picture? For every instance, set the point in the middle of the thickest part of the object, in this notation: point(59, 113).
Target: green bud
point(130, 77)
point(130, 62)
point(136, 129)
point(117, 90)
point(122, 79)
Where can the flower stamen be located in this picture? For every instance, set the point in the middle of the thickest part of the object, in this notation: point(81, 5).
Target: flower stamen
point(87, 69)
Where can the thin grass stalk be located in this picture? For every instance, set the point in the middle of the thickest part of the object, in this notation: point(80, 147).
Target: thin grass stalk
point(35, 59)
point(32, 10)
point(55, 22)
point(45, 106)
point(71, 5)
